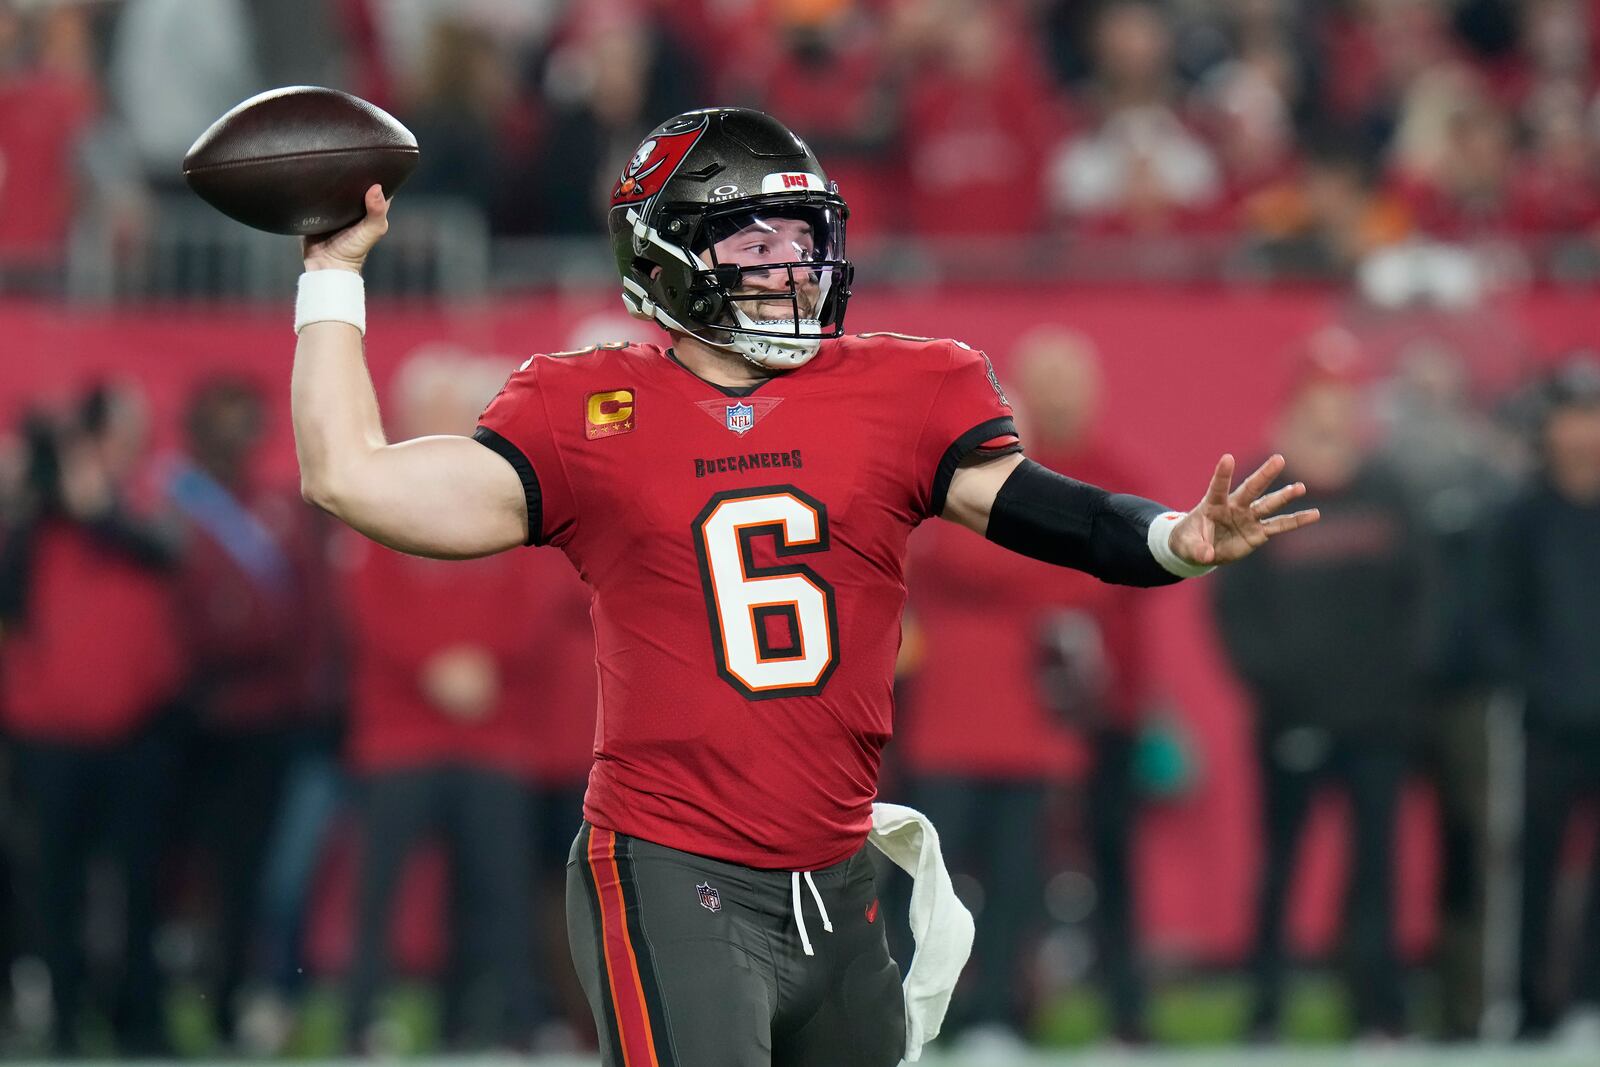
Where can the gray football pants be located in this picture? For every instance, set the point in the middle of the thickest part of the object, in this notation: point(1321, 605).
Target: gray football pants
point(692, 962)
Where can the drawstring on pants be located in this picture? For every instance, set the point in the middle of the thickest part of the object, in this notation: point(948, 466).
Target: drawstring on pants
point(799, 914)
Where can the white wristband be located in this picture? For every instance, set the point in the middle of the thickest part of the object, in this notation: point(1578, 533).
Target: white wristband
point(1160, 541)
point(331, 295)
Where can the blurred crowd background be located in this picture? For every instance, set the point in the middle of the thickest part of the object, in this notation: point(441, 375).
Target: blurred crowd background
point(265, 787)
point(1249, 137)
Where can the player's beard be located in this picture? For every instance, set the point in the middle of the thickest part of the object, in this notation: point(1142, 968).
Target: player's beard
point(778, 306)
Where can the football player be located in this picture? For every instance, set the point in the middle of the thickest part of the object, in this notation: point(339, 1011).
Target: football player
point(738, 503)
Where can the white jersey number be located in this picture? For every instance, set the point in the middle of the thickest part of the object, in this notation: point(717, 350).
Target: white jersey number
point(774, 629)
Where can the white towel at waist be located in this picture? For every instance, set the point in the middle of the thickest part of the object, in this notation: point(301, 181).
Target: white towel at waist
point(940, 923)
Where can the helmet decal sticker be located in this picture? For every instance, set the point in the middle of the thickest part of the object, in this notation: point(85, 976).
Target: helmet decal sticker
point(640, 157)
point(791, 181)
point(653, 165)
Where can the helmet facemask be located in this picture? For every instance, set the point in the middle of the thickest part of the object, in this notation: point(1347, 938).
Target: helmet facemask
point(776, 267)
point(766, 279)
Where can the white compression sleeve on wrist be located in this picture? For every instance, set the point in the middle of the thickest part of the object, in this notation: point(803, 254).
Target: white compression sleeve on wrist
point(331, 296)
point(1160, 542)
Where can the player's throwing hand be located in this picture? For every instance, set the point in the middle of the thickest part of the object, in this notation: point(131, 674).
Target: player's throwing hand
point(1225, 526)
point(347, 249)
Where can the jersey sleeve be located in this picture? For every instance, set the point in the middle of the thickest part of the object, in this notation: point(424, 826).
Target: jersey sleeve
point(516, 426)
point(969, 414)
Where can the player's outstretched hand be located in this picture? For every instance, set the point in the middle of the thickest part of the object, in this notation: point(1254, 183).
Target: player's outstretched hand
point(347, 249)
point(1227, 526)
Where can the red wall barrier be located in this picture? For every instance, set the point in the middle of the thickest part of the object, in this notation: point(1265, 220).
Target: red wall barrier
point(1190, 373)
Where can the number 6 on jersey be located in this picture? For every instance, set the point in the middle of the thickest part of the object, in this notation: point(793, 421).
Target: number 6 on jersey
point(774, 629)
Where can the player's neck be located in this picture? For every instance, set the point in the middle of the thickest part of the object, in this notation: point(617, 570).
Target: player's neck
point(719, 366)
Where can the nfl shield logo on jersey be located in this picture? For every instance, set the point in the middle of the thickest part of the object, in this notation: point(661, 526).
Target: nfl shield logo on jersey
point(710, 899)
point(741, 417)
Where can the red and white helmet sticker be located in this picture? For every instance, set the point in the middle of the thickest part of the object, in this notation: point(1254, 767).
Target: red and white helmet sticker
point(792, 181)
point(653, 165)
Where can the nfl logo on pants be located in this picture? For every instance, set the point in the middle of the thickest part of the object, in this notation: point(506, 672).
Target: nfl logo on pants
point(710, 899)
point(741, 417)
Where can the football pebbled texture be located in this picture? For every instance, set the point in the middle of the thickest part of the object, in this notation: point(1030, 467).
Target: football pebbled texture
point(299, 160)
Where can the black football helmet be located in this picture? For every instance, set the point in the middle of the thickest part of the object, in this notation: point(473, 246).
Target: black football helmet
point(723, 217)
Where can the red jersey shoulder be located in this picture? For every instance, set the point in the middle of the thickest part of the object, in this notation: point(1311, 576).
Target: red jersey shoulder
point(554, 369)
point(601, 379)
point(910, 355)
point(909, 349)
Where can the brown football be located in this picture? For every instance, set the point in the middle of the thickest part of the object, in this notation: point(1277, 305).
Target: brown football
point(299, 160)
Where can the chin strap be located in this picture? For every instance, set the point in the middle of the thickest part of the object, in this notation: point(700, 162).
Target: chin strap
point(784, 343)
point(770, 353)
point(781, 352)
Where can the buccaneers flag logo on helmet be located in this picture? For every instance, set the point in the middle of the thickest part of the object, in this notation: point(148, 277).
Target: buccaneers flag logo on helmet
point(653, 165)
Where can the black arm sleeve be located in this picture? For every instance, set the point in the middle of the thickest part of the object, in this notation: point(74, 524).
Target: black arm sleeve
point(1050, 517)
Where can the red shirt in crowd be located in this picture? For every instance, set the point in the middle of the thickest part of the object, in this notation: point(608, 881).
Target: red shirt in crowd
point(261, 642)
point(41, 117)
point(840, 100)
point(567, 690)
point(974, 707)
point(974, 147)
point(97, 652)
point(406, 610)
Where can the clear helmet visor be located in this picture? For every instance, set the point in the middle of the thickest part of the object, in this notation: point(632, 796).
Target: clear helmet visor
point(788, 259)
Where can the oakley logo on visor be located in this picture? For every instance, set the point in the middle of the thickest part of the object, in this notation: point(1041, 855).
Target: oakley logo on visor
point(792, 181)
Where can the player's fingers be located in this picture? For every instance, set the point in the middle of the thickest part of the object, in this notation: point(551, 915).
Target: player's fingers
point(377, 219)
point(1293, 521)
point(1266, 505)
point(1257, 483)
point(1221, 478)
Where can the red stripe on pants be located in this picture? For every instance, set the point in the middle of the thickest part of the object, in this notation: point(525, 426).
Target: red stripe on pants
point(622, 964)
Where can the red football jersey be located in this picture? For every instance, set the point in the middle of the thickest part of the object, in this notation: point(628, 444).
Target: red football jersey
point(745, 550)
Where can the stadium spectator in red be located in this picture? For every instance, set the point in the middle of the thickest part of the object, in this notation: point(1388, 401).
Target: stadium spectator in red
point(1028, 673)
point(444, 740)
point(1454, 156)
point(91, 666)
point(1334, 689)
point(1556, 188)
point(979, 113)
point(1547, 630)
point(561, 752)
point(259, 628)
point(48, 97)
point(822, 65)
point(1138, 167)
point(1374, 51)
point(1094, 658)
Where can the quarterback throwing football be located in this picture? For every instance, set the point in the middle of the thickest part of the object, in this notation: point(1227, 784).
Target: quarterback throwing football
point(739, 504)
